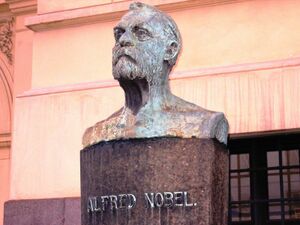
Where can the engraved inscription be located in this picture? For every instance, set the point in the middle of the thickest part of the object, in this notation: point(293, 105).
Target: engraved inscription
point(168, 199)
point(128, 201)
point(111, 202)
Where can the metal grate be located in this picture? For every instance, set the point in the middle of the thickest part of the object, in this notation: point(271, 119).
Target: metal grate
point(265, 180)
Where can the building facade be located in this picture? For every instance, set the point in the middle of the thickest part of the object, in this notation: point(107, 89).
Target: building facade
point(241, 57)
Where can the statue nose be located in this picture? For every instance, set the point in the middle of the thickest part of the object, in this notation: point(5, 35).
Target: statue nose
point(126, 39)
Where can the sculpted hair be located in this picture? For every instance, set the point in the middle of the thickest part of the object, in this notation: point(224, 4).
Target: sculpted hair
point(171, 30)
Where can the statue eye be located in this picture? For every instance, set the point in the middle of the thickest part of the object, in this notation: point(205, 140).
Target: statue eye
point(141, 33)
point(118, 32)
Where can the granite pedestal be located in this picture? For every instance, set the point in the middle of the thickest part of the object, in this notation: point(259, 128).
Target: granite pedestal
point(156, 165)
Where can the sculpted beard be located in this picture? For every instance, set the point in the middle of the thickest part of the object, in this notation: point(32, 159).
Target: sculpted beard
point(126, 65)
point(125, 68)
point(133, 63)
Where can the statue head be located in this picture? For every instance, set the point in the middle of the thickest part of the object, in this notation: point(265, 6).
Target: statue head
point(147, 45)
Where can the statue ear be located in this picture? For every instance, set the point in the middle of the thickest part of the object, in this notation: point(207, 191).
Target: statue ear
point(171, 51)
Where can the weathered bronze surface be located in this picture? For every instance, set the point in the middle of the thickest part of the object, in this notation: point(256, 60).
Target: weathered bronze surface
point(147, 46)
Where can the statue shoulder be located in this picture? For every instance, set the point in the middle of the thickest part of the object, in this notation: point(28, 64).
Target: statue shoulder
point(100, 130)
point(219, 127)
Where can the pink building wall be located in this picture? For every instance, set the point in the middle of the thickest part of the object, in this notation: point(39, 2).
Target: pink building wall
point(240, 57)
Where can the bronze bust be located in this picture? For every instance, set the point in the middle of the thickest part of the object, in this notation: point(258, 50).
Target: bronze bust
point(147, 46)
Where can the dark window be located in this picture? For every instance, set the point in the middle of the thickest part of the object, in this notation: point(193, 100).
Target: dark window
point(265, 180)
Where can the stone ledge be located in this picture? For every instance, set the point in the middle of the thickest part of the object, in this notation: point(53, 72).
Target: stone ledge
point(5, 141)
point(107, 12)
point(60, 211)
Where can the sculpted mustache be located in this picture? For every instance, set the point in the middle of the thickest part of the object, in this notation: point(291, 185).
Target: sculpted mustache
point(123, 52)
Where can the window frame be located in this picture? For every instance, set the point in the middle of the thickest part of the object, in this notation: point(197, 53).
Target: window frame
point(258, 147)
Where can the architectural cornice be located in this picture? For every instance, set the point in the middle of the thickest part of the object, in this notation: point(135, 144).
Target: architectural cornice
point(5, 140)
point(108, 12)
point(195, 73)
point(19, 7)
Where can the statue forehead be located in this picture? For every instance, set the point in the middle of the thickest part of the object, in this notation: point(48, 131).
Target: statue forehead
point(143, 16)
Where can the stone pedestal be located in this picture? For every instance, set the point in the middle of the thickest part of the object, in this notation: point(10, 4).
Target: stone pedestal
point(190, 174)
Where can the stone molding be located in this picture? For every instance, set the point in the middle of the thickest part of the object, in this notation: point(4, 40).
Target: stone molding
point(195, 73)
point(19, 7)
point(6, 80)
point(5, 140)
point(108, 12)
point(6, 35)
point(258, 134)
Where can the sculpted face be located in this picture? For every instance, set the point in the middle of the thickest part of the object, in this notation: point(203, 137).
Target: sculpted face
point(141, 45)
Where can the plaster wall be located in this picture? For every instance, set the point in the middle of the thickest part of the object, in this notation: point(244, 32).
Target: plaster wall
point(72, 55)
point(57, 123)
point(4, 178)
point(22, 56)
point(249, 31)
point(15, 78)
point(46, 6)
point(5, 107)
